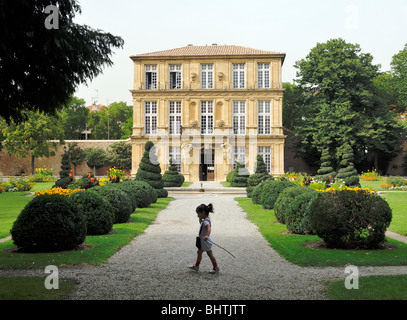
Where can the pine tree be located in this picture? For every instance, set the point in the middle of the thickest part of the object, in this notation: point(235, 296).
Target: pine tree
point(171, 177)
point(347, 172)
point(149, 170)
point(326, 173)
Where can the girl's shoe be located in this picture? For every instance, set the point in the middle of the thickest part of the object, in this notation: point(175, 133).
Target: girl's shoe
point(194, 267)
point(214, 270)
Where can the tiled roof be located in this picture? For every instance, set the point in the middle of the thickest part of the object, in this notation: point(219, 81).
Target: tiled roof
point(213, 50)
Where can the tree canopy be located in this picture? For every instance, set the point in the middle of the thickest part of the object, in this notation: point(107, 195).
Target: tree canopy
point(40, 68)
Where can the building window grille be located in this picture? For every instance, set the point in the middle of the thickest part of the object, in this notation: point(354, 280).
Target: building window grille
point(238, 76)
point(206, 76)
point(151, 76)
point(206, 117)
point(150, 117)
point(239, 117)
point(239, 155)
point(175, 76)
point(263, 75)
point(263, 118)
point(175, 117)
point(175, 154)
point(265, 152)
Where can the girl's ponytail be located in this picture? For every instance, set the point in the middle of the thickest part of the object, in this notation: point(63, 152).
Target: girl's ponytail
point(209, 208)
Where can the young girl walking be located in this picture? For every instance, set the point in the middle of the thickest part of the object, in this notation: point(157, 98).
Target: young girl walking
point(205, 242)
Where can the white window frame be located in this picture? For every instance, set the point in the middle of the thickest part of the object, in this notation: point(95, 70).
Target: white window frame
point(150, 117)
point(175, 117)
point(264, 117)
point(239, 153)
point(265, 152)
point(150, 76)
point(206, 76)
point(238, 75)
point(263, 75)
point(174, 152)
point(239, 117)
point(206, 117)
point(175, 74)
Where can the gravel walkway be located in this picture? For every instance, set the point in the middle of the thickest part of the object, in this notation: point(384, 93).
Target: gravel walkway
point(154, 265)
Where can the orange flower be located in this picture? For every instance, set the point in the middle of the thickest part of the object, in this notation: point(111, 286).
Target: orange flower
point(93, 179)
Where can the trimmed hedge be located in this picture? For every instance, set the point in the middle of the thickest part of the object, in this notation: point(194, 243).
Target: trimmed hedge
point(285, 199)
point(97, 210)
point(271, 190)
point(298, 212)
point(350, 219)
point(49, 223)
point(171, 177)
point(119, 200)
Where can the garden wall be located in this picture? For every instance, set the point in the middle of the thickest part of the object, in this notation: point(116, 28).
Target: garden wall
point(11, 165)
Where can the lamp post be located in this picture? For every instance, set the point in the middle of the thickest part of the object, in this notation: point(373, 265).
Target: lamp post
point(108, 126)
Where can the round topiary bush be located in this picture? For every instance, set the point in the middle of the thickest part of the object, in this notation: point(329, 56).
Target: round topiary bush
point(298, 212)
point(256, 192)
point(350, 219)
point(144, 193)
point(49, 223)
point(129, 190)
point(119, 200)
point(271, 191)
point(97, 210)
point(285, 199)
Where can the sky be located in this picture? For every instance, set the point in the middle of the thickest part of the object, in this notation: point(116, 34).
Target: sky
point(293, 27)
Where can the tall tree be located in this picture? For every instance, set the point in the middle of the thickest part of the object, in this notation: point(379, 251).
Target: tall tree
point(399, 78)
point(44, 55)
point(74, 118)
point(33, 136)
point(337, 81)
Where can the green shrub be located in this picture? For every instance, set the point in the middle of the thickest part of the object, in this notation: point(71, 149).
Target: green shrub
point(271, 191)
point(256, 192)
point(171, 177)
point(97, 210)
point(350, 219)
point(145, 193)
point(239, 179)
point(49, 223)
point(118, 199)
point(285, 199)
point(298, 212)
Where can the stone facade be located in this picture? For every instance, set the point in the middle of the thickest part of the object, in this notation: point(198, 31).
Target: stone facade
point(207, 107)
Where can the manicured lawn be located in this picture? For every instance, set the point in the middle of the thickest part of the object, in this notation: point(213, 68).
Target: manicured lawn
point(398, 203)
point(101, 247)
point(33, 288)
point(291, 246)
point(392, 287)
point(375, 185)
point(11, 204)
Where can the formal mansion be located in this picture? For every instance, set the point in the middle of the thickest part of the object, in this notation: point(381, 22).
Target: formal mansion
point(209, 107)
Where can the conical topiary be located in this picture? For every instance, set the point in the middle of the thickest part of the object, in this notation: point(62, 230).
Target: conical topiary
point(149, 170)
point(66, 174)
point(260, 175)
point(347, 173)
point(240, 178)
point(171, 177)
point(326, 173)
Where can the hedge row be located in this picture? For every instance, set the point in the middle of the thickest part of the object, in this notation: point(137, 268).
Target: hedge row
point(346, 219)
point(54, 222)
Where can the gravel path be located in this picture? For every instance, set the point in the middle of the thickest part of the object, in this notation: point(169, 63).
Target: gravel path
point(154, 265)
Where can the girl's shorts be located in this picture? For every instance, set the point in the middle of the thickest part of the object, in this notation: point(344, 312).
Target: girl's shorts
point(206, 245)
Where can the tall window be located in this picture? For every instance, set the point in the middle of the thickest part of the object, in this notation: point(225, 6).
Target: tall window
point(175, 76)
point(239, 155)
point(175, 117)
point(151, 76)
point(238, 70)
point(263, 75)
point(206, 117)
point(175, 154)
point(150, 117)
point(265, 152)
point(263, 117)
point(239, 117)
point(206, 76)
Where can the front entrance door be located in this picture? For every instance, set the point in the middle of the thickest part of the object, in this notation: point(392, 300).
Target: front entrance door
point(207, 165)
